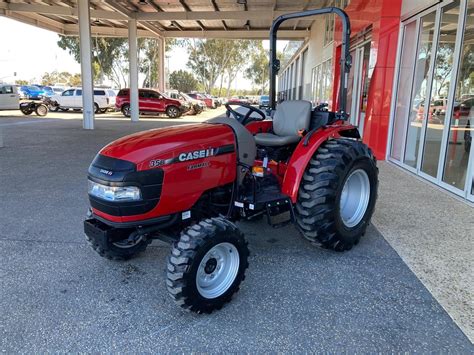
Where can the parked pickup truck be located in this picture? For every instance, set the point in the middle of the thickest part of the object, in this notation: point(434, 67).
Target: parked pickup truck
point(104, 99)
point(9, 97)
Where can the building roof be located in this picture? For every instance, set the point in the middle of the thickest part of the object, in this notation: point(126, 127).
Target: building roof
point(171, 18)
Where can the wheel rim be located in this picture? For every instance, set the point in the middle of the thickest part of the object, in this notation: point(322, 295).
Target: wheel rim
point(355, 198)
point(126, 110)
point(217, 270)
point(173, 112)
point(132, 241)
point(42, 110)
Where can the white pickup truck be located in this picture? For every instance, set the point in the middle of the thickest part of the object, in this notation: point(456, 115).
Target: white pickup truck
point(104, 99)
point(9, 97)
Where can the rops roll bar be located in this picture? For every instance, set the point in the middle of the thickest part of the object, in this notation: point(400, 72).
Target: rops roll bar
point(345, 62)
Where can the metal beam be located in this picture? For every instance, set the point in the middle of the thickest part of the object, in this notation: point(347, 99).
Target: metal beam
point(209, 15)
point(121, 9)
point(133, 69)
point(159, 9)
point(188, 9)
point(86, 64)
point(238, 34)
point(73, 30)
point(161, 63)
point(32, 20)
point(216, 8)
point(59, 10)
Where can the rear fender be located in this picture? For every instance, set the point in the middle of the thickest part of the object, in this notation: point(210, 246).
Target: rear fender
point(302, 155)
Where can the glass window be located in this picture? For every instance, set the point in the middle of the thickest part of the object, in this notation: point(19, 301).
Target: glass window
point(78, 92)
point(68, 93)
point(8, 89)
point(461, 121)
point(439, 90)
point(420, 83)
point(329, 29)
point(154, 95)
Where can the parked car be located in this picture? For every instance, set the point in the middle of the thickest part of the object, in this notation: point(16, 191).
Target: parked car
point(239, 99)
point(104, 99)
point(151, 102)
point(208, 100)
point(217, 100)
point(48, 90)
point(59, 89)
point(464, 112)
point(197, 106)
point(264, 102)
point(31, 92)
point(9, 97)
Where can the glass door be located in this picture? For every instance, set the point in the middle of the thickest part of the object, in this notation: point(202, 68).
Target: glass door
point(432, 117)
point(358, 85)
point(458, 165)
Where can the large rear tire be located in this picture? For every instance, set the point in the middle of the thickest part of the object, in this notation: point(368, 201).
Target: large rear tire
point(337, 195)
point(207, 265)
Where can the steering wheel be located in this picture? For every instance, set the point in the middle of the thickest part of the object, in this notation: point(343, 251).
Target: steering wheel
point(244, 119)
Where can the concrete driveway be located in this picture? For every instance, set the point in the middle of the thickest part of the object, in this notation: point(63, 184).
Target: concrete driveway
point(58, 295)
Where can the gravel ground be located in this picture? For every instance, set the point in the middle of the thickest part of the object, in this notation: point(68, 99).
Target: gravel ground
point(58, 295)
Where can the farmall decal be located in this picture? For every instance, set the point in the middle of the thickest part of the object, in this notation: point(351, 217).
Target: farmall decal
point(197, 154)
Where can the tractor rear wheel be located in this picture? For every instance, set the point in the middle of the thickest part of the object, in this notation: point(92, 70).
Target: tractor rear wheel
point(207, 265)
point(337, 195)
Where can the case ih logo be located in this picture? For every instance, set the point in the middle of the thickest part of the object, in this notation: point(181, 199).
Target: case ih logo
point(197, 154)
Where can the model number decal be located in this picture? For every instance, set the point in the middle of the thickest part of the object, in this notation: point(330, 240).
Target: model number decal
point(197, 154)
point(157, 162)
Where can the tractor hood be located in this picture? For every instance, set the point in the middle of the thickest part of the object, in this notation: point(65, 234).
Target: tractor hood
point(161, 146)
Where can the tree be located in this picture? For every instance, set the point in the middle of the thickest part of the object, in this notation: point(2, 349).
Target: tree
point(64, 78)
point(107, 56)
point(257, 72)
point(184, 81)
point(110, 58)
point(212, 59)
point(149, 55)
point(238, 54)
point(21, 82)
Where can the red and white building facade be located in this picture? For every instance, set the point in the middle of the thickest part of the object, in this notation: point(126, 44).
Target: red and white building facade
point(411, 85)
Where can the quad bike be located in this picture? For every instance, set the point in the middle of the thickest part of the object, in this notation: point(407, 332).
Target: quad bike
point(40, 108)
point(187, 185)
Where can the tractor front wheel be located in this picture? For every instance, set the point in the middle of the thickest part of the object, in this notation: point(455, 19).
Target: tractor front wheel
point(337, 195)
point(207, 265)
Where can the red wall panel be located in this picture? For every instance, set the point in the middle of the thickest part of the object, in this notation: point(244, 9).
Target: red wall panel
point(384, 17)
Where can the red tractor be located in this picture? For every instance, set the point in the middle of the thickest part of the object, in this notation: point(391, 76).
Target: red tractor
point(187, 185)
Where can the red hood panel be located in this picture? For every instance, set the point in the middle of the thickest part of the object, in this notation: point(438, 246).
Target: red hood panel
point(168, 142)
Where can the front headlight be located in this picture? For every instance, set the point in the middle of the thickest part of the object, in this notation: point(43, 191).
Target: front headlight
point(114, 193)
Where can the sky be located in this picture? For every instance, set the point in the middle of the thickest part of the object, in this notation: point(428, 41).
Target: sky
point(31, 51)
